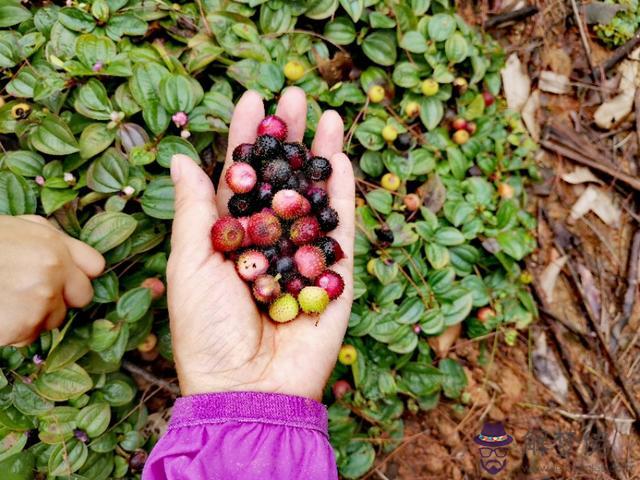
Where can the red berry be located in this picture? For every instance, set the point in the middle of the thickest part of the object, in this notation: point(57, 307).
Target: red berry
point(250, 264)
point(155, 285)
point(274, 126)
point(264, 228)
point(294, 283)
point(289, 204)
point(309, 261)
point(331, 282)
point(242, 153)
point(305, 230)
point(331, 249)
point(341, 388)
point(227, 234)
point(296, 154)
point(485, 314)
point(241, 177)
point(471, 127)
point(244, 221)
point(488, 98)
point(459, 124)
point(266, 288)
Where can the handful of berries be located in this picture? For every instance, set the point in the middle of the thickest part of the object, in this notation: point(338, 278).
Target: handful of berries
point(279, 218)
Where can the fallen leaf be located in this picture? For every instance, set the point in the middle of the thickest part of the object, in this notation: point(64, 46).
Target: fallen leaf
point(554, 83)
point(549, 277)
point(336, 69)
point(601, 12)
point(433, 192)
point(589, 288)
point(599, 202)
point(529, 115)
point(580, 175)
point(443, 342)
point(517, 83)
point(547, 368)
point(557, 60)
point(613, 111)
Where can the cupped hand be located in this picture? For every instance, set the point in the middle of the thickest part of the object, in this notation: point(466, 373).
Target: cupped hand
point(221, 340)
point(42, 272)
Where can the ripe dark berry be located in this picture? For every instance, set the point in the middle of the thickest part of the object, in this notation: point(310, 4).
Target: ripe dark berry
point(292, 183)
point(385, 236)
point(284, 265)
point(271, 252)
point(267, 148)
point(328, 219)
point(242, 153)
point(274, 126)
point(331, 249)
point(294, 283)
point(241, 204)
point(286, 247)
point(403, 142)
point(317, 169)
point(303, 183)
point(296, 154)
point(317, 197)
point(137, 460)
point(264, 194)
point(276, 172)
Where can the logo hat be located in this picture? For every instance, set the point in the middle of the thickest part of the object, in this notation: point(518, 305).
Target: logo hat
point(493, 435)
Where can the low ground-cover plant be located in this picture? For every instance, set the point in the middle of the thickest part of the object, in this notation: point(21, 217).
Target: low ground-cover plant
point(97, 96)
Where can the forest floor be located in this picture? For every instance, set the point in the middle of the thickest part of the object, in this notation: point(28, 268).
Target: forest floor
point(568, 392)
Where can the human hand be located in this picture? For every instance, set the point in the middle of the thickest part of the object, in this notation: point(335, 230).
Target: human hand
point(42, 271)
point(221, 340)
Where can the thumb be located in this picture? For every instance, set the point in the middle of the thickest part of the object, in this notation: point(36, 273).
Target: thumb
point(195, 210)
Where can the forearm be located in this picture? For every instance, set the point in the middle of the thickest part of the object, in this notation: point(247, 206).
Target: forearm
point(244, 435)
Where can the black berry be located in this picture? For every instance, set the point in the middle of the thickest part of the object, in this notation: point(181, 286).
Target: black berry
point(284, 265)
point(403, 142)
point(264, 194)
point(292, 183)
point(271, 253)
point(331, 249)
point(287, 247)
point(267, 148)
point(276, 172)
point(317, 169)
point(241, 204)
point(137, 460)
point(317, 197)
point(385, 236)
point(328, 219)
point(296, 154)
point(303, 183)
point(242, 153)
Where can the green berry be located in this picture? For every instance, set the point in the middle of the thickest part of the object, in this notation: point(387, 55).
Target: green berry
point(313, 299)
point(284, 308)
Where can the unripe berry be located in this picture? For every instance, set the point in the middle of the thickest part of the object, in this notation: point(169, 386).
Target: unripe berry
point(148, 344)
point(471, 127)
point(460, 85)
point(412, 109)
point(371, 265)
point(294, 70)
point(155, 285)
point(505, 191)
point(340, 389)
point(459, 124)
point(485, 314)
point(390, 181)
point(348, 355)
point(461, 137)
point(389, 133)
point(376, 94)
point(412, 202)
point(429, 87)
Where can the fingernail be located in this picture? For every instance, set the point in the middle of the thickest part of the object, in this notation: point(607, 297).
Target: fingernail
point(175, 169)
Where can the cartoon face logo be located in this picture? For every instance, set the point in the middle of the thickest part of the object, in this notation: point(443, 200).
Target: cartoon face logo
point(493, 444)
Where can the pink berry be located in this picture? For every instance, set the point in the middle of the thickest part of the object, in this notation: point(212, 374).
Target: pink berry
point(241, 177)
point(274, 126)
point(155, 285)
point(289, 204)
point(264, 228)
point(295, 282)
point(244, 221)
point(251, 264)
point(331, 282)
point(227, 234)
point(309, 261)
point(341, 388)
point(305, 230)
point(266, 288)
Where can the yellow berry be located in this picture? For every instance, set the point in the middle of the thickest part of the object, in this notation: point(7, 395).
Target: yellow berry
point(526, 278)
point(461, 137)
point(20, 111)
point(1, 102)
point(389, 133)
point(412, 202)
point(460, 84)
point(371, 267)
point(412, 109)
point(505, 191)
point(390, 181)
point(376, 94)
point(294, 70)
point(148, 344)
point(430, 87)
point(348, 355)
point(360, 202)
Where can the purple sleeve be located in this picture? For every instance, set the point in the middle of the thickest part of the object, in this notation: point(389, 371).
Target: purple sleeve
point(244, 435)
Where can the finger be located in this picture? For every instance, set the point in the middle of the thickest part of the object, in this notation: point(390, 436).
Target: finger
point(195, 210)
point(329, 135)
point(88, 259)
point(78, 291)
point(341, 191)
point(248, 113)
point(56, 315)
point(292, 108)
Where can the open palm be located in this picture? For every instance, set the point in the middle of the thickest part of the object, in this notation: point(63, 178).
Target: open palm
point(221, 340)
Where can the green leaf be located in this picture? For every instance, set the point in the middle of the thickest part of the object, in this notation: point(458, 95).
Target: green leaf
point(16, 198)
point(63, 384)
point(414, 42)
point(354, 8)
point(380, 20)
point(24, 162)
point(431, 112)
point(454, 380)
point(12, 13)
point(93, 102)
point(107, 230)
point(67, 457)
point(358, 459)
point(19, 466)
point(95, 139)
point(105, 288)
point(179, 93)
point(458, 310)
point(410, 311)
point(94, 419)
point(406, 75)
point(371, 163)
point(70, 349)
point(125, 24)
point(380, 200)
point(158, 198)
point(441, 27)
point(53, 199)
point(109, 173)
point(456, 48)
point(134, 304)
point(76, 20)
point(118, 393)
point(380, 47)
point(341, 31)
point(516, 243)
point(369, 133)
point(28, 401)
point(437, 255)
point(54, 137)
point(144, 85)
point(171, 145)
point(448, 236)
